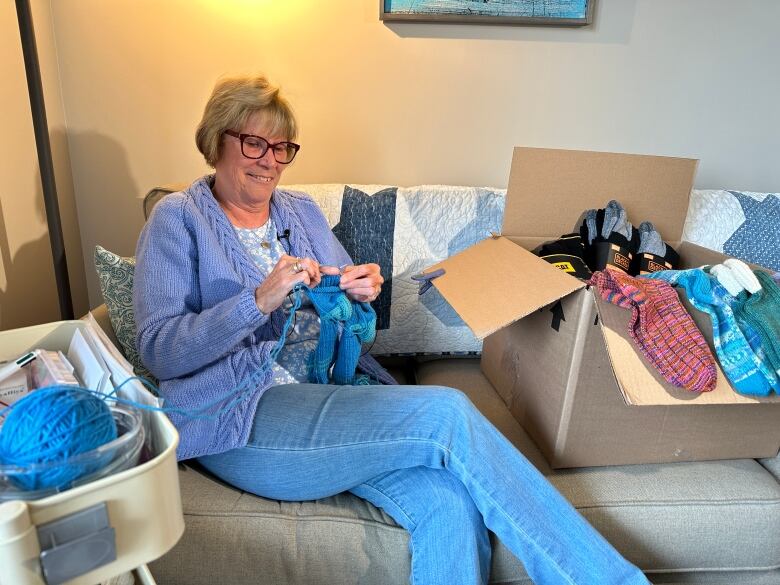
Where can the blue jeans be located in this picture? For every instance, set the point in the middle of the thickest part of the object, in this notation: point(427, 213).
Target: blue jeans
point(427, 457)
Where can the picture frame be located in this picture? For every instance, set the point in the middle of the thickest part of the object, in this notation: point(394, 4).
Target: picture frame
point(503, 12)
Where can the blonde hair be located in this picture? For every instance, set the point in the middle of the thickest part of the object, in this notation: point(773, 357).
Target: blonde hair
point(233, 101)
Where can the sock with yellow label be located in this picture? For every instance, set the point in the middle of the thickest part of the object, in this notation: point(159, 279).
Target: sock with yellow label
point(567, 254)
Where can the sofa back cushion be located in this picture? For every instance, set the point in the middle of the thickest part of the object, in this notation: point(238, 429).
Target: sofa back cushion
point(404, 230)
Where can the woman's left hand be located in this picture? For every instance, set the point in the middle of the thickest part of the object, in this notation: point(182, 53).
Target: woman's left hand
point(362, 283)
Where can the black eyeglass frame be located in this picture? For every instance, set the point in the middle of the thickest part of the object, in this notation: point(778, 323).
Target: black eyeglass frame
point(242, 137)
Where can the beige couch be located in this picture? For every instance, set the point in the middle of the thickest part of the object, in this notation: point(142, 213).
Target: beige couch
point(703, 522)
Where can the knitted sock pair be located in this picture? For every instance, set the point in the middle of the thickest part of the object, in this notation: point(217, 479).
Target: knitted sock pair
point(567, 253)
point(610, 238)
point(344, 326)
point(662, 329)
point(739, 362)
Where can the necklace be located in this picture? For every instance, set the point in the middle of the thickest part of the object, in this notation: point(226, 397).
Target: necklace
point(266, 241)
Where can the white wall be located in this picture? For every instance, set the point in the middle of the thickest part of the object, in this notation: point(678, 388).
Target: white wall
point(412, 103)
point(28, 293)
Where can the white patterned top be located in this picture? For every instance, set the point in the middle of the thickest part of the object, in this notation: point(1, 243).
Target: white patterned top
point(293, 362)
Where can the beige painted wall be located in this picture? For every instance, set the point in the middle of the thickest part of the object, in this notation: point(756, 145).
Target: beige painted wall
point(411, 103)
point(28, 293)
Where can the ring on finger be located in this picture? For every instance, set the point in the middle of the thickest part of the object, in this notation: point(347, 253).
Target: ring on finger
point(297, 266)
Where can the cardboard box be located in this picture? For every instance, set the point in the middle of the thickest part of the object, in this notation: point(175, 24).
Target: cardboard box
point(560, 357)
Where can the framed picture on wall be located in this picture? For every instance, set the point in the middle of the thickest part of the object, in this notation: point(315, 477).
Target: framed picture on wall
point(522, 12)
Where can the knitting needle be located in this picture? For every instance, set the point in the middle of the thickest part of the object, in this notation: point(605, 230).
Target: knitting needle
point(340, 268)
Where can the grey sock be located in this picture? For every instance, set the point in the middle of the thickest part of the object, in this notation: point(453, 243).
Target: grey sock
point(650, 240)
point(616, 220)
point(590, 219)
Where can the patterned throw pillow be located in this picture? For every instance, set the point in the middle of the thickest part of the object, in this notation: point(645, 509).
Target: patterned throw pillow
point(116, 285)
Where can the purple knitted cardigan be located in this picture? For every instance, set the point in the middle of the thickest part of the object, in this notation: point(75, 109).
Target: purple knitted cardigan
point(199, 329)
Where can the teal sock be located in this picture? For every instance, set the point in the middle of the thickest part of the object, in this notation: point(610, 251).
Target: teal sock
point(344, 325)
point(359, 328)
point(754, 339)
point(762, 311)
point(333, 308)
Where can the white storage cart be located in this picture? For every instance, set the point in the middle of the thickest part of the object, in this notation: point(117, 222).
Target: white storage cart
point(91, 533)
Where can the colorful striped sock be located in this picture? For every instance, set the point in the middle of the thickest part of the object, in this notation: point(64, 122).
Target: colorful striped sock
point(662, 328)
point(739, 362)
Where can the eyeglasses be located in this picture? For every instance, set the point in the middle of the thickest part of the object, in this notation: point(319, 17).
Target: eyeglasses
point(255, 147)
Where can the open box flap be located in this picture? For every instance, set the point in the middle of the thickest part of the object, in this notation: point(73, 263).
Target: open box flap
point(496, 282)
point(549, 188)
point(640, 382)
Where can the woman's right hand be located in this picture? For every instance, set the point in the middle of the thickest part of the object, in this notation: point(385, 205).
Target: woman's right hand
point(271, 293)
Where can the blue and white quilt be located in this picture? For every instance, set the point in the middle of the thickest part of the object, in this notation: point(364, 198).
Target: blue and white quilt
point(742, 224)
point(405, 230)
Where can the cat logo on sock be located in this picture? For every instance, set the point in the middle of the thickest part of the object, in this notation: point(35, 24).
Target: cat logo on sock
point(565, 266)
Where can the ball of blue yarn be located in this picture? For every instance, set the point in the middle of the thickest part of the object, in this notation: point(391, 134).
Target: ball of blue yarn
point(49, 426)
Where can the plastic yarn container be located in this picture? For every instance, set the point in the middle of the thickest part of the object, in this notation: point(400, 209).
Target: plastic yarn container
point(118, 455)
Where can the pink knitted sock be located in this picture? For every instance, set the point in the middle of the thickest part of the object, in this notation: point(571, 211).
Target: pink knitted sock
point(662, 328)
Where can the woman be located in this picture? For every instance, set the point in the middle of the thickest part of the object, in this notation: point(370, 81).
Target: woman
point(215, 265)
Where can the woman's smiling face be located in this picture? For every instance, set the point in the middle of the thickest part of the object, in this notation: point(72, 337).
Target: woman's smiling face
point(246, 180)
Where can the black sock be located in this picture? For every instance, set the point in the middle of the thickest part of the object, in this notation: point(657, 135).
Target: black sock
point(567, 253)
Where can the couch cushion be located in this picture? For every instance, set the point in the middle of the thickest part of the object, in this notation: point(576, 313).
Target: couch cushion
point(772, 465)
point(710, 515)
point(248, 539)
point(251, 540)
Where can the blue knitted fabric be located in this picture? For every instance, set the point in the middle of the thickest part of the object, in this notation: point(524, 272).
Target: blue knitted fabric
point(360, 328)
point(344, 327)
point(739, 362)
point(754, 339)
